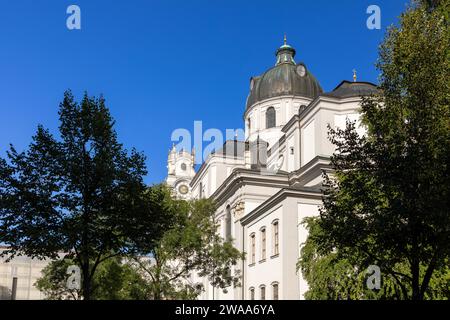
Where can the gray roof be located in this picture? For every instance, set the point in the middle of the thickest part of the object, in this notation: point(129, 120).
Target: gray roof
point(347, 89)
point(232, 148)
point(284, 79)
point(315, 188)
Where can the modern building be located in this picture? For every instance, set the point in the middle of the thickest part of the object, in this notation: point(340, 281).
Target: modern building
point(266, 185)
point(27, 271)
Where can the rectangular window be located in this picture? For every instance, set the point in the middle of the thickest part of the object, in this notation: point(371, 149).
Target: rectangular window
point(228, 224)
point(275, 291)
point(263, 244)
point(252, 293)
point(276, 239)
point(252, 248)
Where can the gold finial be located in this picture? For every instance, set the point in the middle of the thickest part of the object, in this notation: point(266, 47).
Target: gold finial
point(285, 39)
point(354, 75)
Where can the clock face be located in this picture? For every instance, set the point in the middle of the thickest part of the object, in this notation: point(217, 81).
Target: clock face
point(301, 70)
point(183, 189)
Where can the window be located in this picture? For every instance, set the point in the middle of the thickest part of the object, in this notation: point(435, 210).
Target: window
point(263, 243)
point(276, 238)
point(302, 107)
point(183, 166)
point(275, 291)
point(201, 190)
point(270, 118)
point(252, 248)
point(263, 292)
point(228, 224)
point(249, 124)
point(252, 293)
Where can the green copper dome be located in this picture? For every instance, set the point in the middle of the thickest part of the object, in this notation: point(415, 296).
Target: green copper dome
point(286, 78)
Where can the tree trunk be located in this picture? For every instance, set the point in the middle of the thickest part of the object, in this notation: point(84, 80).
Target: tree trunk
point(415, 271)
point(86, 282)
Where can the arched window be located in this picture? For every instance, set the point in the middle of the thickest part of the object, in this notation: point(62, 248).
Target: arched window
point(301, 109)
point(228, 224)
point(275, 291)
point(276, 238)
point(270, 118)
point(263, 243)
point(252, 293)
point(263, 292)
point(252, 248)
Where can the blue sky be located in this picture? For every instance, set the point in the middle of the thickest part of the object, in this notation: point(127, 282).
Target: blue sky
point(161, 65)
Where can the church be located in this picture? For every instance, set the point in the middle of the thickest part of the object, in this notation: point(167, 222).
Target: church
point(265, 186)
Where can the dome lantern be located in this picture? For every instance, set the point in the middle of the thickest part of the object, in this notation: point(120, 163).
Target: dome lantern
point(285, 53)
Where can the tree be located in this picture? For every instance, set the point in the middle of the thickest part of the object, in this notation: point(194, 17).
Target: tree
point(387, 201)
point(331, 276)
point(53, 283)
point(113, 280)
point(189, 245)
point(119, 279)
point(81, 194)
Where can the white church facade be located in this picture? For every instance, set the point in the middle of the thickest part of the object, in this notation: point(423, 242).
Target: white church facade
point(266, 185)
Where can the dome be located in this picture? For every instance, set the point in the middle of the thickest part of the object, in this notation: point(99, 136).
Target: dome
point(285, 78)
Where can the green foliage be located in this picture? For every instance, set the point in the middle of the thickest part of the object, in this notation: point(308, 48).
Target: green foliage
point(189, 245)
point(387, 203)
point(81, 194)
point(333, 276)
point(53, 282)
point(117, 280)
point(113, 280)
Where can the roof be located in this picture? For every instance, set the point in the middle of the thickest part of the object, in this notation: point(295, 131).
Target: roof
point(347, 89)
point(285, 78)
point(232, 148)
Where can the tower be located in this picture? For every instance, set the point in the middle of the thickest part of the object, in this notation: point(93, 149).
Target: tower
point(180, 171)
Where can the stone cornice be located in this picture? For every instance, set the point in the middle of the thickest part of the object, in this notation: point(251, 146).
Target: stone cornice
point(211, 160)
point(278, 98)
point(277, 198)
point(310, 170)
point(240, 177)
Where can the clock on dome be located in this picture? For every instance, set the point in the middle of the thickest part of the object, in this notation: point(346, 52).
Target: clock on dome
point(301, 70)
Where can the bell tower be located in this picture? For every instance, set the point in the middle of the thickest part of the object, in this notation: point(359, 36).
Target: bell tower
point(180, 171)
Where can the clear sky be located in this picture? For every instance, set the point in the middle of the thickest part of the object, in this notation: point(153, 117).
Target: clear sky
point(161, 65)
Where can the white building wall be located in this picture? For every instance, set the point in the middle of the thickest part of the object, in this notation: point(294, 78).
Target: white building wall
point(304, 210)
point(285, 108)
point(27, 271)
point(263, 272)
point(309, 138)
point(308, 142)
